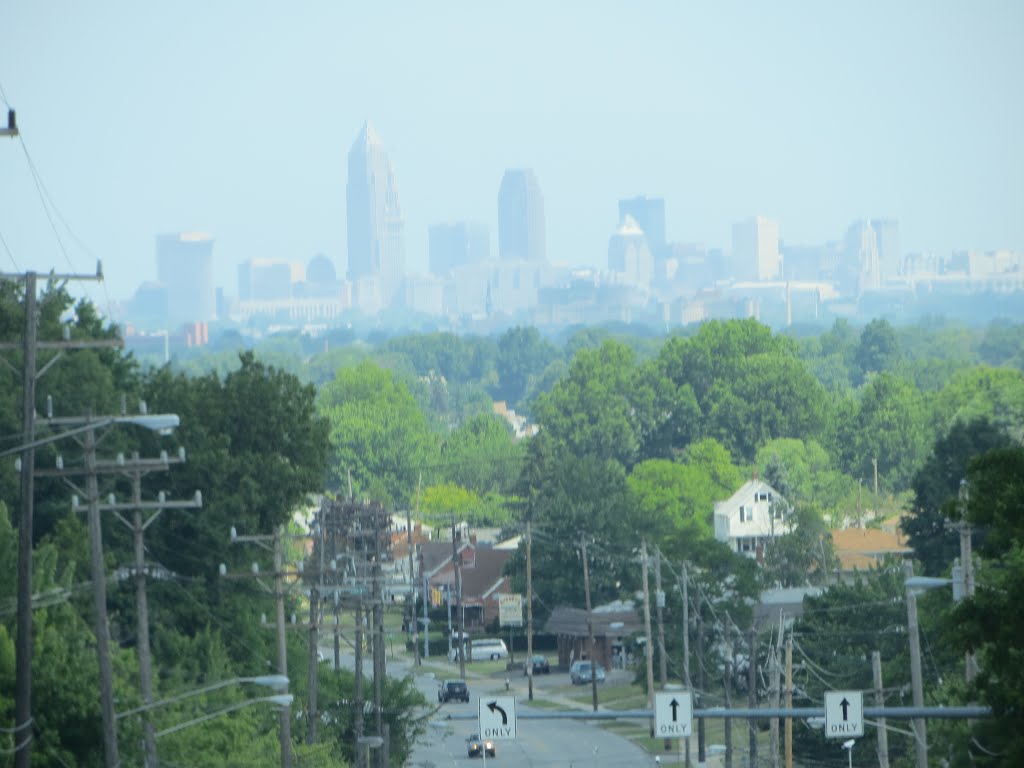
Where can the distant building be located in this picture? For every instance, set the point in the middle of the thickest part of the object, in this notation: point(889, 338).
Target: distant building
point(887, 238)
point(267, 279)
point(862, 266)
point(521, 227)
point(755, 249)
point(455, 244)
point(649, 214)
point(184, 265)
point(750, 518)
point(321, 280)
point(376, 241)
point(629, 255)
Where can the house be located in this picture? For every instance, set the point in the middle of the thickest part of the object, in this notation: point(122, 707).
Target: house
point(860, 549)
point(612, 624)
point(481, 574)
point(750, 518)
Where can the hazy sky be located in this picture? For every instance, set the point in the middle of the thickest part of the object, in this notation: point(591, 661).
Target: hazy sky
point(236, 118)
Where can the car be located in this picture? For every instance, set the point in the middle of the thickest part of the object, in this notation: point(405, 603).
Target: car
point(537, 665)
point(453, 690)
point(581, 672)
point(475, 747)
point(489, 648)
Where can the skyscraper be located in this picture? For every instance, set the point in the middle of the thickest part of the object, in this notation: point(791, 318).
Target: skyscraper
point(455, 244)
point(629, 254)
point(376, 245)
point(649, 213)
point(887, 234)
point(521, 231)
point(184, 264)
point(755, 249)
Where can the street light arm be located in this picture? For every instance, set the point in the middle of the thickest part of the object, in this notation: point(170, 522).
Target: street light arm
point(162, 423)
point(284, 700)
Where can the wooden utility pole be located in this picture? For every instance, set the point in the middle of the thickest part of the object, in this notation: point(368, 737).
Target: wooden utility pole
point(752, 692)
point(727, 687)
point(99, 578)
point(282, 648)
point(648, 645)
point(357, 719)
point(789, 701)
point(776, 692)
point(686, 650)
point(460, 646)
point(590, 628)
point(135, 468)
point(916, 684)
point(701, 751)
point(529, 609)
point(29, 347)
point(883, 734)
point(659, 606)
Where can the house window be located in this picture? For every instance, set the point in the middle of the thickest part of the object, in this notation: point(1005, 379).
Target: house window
point(746, 515)
point(745, 545)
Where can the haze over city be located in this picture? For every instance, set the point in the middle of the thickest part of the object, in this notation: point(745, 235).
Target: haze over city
point(236, 120)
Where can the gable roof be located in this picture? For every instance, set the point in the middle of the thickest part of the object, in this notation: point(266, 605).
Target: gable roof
point(744, 494)
point(573, 622)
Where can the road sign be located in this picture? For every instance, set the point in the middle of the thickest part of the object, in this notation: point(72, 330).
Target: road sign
point(510, 610)
point(673, 714)
point(844, 714)
point(498, 718)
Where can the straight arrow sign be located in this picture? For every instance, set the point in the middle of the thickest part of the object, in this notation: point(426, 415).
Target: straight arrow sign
point(673, 714)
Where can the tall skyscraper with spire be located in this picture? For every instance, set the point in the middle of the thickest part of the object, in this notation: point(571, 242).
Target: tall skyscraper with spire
point(521, 230)
point(376, 237)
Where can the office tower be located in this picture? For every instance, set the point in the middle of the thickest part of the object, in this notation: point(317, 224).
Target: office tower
point(649, 214)
point(376, 246)
point(520, 217)
point(184, 264)
point(455, 244)
point(887, 236)
point(755, 249)
point(629, 254)
point(862, 265)
point(267, 279)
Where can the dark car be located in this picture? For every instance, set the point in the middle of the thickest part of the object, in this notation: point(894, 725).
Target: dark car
point(537, 665)
point(453, 690)
point(475, 747)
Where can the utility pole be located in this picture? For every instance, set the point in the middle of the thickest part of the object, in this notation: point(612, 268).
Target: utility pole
point(727, 687)
point(135, 468)
point(29, 346)
point(916, 684)
point(313, 663)
point(701, 753)
point(529, 610)
point(789, 700)
point(659, 605)
point(686, 649)
point(426, 610)
point(411, 609)
point(883, 734)
point(357, 720)
point(590, 627)
point(776, 685)
point(276, 547)
point(965, 530)
point(752, 692)
point(377, 615)
point(460, 646)
point(99, 579)
point(648, 645)
point(874, 464)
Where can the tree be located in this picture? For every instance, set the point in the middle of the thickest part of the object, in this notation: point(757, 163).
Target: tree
point(996, 394)
point(990, 622)
point(482, 455)
point(591, 411)
point(936, 489)
point(377, 431)
point(522, 355)
point(878, 350)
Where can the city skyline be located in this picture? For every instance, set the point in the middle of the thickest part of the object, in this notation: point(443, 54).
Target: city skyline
point(237, 122)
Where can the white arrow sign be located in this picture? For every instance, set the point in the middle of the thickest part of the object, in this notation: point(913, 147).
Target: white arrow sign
point(844, 714)
point(673, 714)
point(498, 717)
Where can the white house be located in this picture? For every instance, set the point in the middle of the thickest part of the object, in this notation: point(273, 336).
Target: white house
point(750, 517)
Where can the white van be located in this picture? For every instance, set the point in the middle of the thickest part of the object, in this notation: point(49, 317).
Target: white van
point(489, 648)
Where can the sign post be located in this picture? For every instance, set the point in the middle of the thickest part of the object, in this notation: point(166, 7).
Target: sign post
point(844, 714)
point(673, 714)
point(498, 718)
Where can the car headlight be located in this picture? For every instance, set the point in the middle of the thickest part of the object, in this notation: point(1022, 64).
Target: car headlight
point(490, 745)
